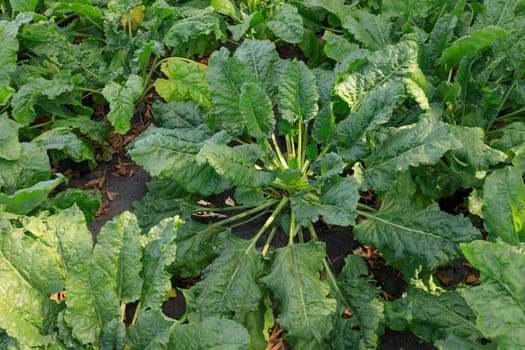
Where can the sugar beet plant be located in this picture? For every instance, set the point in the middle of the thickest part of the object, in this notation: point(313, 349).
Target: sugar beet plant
point(298, 145)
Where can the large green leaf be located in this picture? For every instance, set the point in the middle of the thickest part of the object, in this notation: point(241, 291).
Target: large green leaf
point(499, 301)
point(336, 205)
point(475, 155)
point(305, 310)
point(76, 6)
point(229, 287)
point(374, 31)
point(261, 57)
point(171, 153)
point(407, 8)
point(186, 82)
point(470, 45)
point(8, 55)
point(212, 333)
point(358, 295)
point(433, 317)
point(30, 168)
point(151, 330)
point(410, 239)
point(225, 77)
point(256, 108)
point(122, 101)
point(422, 143)
point(337, 47)
point(375, 110)
point(286, 23)
point(159, 251)
point(391, 65)
point(504, 206)
point(30, 270)
point(68, 143)
point(441, 35)
point(27, 199)
point(297, 93)
point(191, 36)
point(84, 313)
point(236, 164)
point(123, 6)
point(10, 148)
point(115, 267)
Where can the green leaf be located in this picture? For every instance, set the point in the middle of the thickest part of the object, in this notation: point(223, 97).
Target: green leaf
point(10, 148)
point(116, 264)
point(433, 317)
point(361, 330)
point(87, 201)
point(286, 23)
point(336, 7)
point(391, 65)
point(31, 93)
point(27, 199)
point(95, 130)
point(186, 82)
point(8, 55)
point(69, 144)
point(336, 205)
point(412, 145)
point(196, 248)
point(261, 57)
point(504, 206)
point(324, 125)
point(172, 154)
point(175, 115)
point(475, 155)
point(329, 166)
point(30, 271)
point(152, 329)
point(79, 7)
point(407, 8)
point(122, 101)
point(297, 93)
point(305, 309)
point(410, 238)
point(23, 5)
point(375, 110)
point(83, 313)
point(499, 301)
point(229, 286)
point(191, 36)
point(158, 253)
point(441, 35)
point(225, 7)
point(236, 164)
point(470, 45)
point(225, 77)
point(6, 92)
point(30, 168)
point(373, 31)
point(212, 333)
point(123, 6)
point(256, 108)
point(337, 47)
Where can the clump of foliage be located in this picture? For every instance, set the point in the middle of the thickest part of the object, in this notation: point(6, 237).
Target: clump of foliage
point(410, 101)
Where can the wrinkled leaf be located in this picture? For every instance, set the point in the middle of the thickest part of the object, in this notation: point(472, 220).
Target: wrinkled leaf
point(10, 148)
point(122, 101)
point(186, 82)
point(504, 206)
point(433, 317)
point(470, 45)
point(212, 333)
point(297, 93)
point(286, 23)
point(305, 310)
point(361, 330)
point(262, 57)
point(27, 199)
point(229, 286)
point(499, 300)
point(256, 108)
point(413, 145)
point(410, 239)
point(159, 251)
